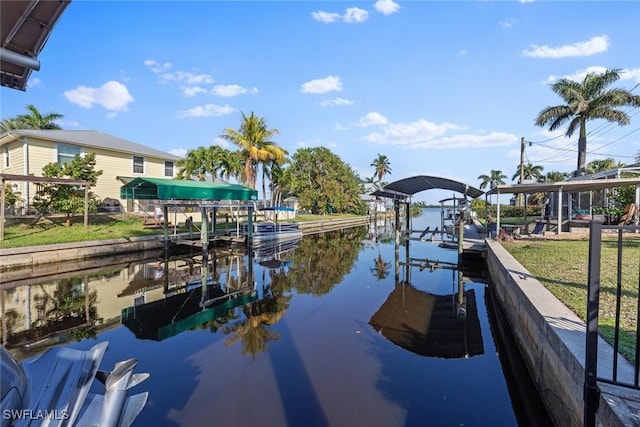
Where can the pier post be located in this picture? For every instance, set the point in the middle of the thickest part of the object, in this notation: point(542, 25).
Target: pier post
point(204, 233)
point(250, 226)
point(396, 207)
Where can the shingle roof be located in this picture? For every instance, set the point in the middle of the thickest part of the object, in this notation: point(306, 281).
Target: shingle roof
point(92, 138)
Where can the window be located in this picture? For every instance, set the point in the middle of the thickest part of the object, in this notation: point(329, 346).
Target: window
point(66, 153)
point(5, 156)
point(138, 164)
point(168, 168)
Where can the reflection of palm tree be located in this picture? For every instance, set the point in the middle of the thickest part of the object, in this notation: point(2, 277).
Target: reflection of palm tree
point(253, 333)
point(381, 268)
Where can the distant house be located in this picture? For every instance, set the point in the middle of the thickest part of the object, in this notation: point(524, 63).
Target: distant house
point(26, 152)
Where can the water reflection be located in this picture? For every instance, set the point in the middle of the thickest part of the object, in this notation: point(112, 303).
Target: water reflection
point(328, 330)
point(160, 297)
point(431, 325)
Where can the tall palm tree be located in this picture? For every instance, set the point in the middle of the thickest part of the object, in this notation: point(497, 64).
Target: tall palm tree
point(254, 140)
point(495, 178)
point(382, 166)
point(36, 120)
point(588, 100)
point(530, 171)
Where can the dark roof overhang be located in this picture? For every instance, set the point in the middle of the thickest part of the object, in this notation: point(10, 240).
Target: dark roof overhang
point(409, 186)
point(25, 27)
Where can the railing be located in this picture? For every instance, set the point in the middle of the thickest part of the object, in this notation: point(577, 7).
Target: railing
point(623, 373)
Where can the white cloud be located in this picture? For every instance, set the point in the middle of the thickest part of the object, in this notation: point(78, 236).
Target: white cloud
point(578, 76)
point(351, 15)
point(190, 83)
point(630, 74)
point(112, 95)
point(68, 124)
point(387, 7)
point(372, 119)
point(410, 134)
point(208, 110)
point(34, 82)
point(508, 23)
point(335, 102)
point(231, 90)
point(463, 52)
point(221, 142)
point(156, 67)
point(493, 139)
point(339, 126)
point(193, 90)
point(180, 152)
point(355, 14)
point(591, 47)
point(328, 84)
point(325, 17)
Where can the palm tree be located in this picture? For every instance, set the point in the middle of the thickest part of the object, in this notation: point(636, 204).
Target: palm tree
point(555, 176)
point(601, 165)
point(588, 100)
point(529, 172)
point(495, 178)
point(36, 120)
point(10, 124)
point(195, 163)
point(382, 166)
point(254, 140)
point(231, 164)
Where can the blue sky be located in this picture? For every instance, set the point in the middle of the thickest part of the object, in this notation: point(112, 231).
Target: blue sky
point(441, 88)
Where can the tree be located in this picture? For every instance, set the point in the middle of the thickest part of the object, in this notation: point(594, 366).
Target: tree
point(65, 198)
point(36, 120)
point(321, 180)
point(585, 101)
point(529, 172)
point(194, 163)
point(494, 179)
point(382, 166)
point(254, 140)
point(601, 165)
point(555, 176)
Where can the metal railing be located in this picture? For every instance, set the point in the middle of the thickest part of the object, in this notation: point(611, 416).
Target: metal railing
point(623, 372)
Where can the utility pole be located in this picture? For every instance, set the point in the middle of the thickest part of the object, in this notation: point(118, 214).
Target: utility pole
point(520, 196)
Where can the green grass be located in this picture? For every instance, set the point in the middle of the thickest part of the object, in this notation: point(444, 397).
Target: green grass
point(49, 231)
point(562, 266)
point(23, 232)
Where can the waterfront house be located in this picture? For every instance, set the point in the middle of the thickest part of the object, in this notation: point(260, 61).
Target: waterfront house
point(26, 152)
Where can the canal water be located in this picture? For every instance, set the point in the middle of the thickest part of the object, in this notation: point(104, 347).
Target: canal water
point(338, 329)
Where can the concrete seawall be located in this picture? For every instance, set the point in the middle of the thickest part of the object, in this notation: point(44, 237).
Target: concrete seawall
point(32, 256)
point(552, 340)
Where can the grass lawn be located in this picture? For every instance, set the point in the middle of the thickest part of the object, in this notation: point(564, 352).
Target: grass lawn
point(562, 266)
point(23, 232)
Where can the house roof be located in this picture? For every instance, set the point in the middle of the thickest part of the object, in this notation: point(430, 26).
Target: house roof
point(568, 186)
point(87, 138)
point(415, 184)
point(25, 27)
point(176, 189)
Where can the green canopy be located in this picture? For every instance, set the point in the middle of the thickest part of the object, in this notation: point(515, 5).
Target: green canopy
point(176, 189)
